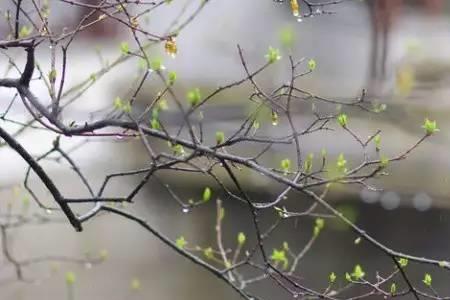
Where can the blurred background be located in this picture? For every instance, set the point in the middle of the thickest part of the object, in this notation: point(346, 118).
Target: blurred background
point(398, 50)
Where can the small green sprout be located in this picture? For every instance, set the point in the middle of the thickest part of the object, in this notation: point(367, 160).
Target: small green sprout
point(312, 64)
point(377, 141)
point(427, 280)
point(172, 77)
point(279, 256)
point(403, 262)
point(154, 123)
point(273, 55)
point(358, 272)
point(430, 127)
point(332, 278)
point(208, 253)
point(181, 242)
point(241, 238)
point(124, 48)
point(285, 165)
point(220, 137)
point(308, 163)
point(178, 150)
point(319, 225)
point(341, 163)
point(393, 288)
point(342, 120)
point(206, 194)
point(118, 103)
point(71, 278)
point(384, 161)
point(194, 96)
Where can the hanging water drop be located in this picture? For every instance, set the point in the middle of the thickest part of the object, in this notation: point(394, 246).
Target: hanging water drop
point(48, 211)
point(185, 210)
point(171, 47)
point(295, 8)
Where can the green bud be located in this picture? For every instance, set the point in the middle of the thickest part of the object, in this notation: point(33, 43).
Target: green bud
point(181, 242)
point(124, 48)
point(377, 141)
point(430, 127)
point(403, 262)
point(393, 288)
point(427, 280)
point(206, 194)
point(312, 64)
point(273, 55)
point(208, 252)
point(332, 277)
point(358, 272)
point(70, 278)
point(194, 96)
point(342, 120)
point(220, 137)
point(172, 77)
point(285, 165)
point(241, 238)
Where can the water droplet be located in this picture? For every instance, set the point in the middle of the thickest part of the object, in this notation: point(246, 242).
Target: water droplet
point(48, 211)
point(185, 210)
point(422, 201)
point(369, 196)
point(119, 137)
point(88, 265)
point(300, 20)
point(295, 296)
point(390, 200)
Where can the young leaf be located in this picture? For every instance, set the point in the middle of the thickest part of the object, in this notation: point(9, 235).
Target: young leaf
point(273, 55)
point(194, 96)
point(206, 194)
